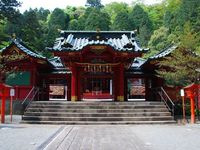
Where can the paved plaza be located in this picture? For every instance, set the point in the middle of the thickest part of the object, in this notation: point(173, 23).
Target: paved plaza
point(17, 136)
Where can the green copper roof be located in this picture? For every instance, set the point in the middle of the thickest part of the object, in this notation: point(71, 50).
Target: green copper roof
point(77, 40)
point(164, 52)
point(22, 47)
point(19, 44)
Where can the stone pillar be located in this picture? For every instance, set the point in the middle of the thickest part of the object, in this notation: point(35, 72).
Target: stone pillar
point(120, 96)
point(74, 83)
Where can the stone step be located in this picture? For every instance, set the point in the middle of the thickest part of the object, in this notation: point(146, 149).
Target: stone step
point(98, 106)
point(96, 110)
point(95, 103)
point(59, 114)
point(99, 122)
point(141, 118)
point(62, 112)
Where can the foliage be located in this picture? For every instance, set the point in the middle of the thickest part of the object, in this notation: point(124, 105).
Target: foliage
point(156, 14)
point(3, 35)
point(121, 22)
point(97, 20)
point(8, 9)
point(114, 8)
point(159, 25)
point(160, 39)
point(140, 20)
point(180, 67)
point(58, 20)
point(94, 3)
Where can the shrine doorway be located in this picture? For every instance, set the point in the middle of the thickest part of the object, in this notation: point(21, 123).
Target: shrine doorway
point(97, 88)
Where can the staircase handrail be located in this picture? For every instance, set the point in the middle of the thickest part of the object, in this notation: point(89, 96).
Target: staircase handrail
point(165, 98)
point(28, 99)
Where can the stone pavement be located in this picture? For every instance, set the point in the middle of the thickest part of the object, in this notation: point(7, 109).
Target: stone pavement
point(128, 137)
point(98, 137)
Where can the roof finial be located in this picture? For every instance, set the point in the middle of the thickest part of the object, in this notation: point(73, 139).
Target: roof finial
point(98, 30)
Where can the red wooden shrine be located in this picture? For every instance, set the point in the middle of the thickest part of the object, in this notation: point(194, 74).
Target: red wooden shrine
point(86, 65)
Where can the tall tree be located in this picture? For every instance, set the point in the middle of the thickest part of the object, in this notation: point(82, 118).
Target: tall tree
point(160, 39)
point(94, 3)
point(31, 30)
point(180, 67)
point(42, 14)
point(140, 20)
point(8, 9)
point(114, 8)
point(3, 36)
point(97, 20)
point(58, 20)
point(121, 22)
point(156, 14)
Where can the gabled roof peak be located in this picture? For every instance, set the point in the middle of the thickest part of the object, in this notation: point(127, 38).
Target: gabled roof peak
point(77, 40)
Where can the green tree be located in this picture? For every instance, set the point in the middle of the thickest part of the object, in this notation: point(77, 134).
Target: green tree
point(180, 67)
point(114, 8)
point(97, 20)
point(57, 20)
point(140, 20)
point(160, 39)
point(42, 14)
point(156, 14)
point(121, 22)
point(73, 24)
point(75, 12)
point(8, 9)
point(31, 30)
point(94, 3)
point(3, 36)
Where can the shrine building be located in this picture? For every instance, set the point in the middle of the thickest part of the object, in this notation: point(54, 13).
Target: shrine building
point(87, 65)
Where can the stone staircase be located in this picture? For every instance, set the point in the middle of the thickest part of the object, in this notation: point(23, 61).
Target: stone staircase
point(85, 113)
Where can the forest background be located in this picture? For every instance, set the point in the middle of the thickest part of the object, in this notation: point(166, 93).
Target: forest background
point(158, 26)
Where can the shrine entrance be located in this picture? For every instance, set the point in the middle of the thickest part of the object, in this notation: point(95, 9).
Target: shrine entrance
point(97, 87)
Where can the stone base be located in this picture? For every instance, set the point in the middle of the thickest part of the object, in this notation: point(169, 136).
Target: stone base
point(120, 98)
point(73, 98)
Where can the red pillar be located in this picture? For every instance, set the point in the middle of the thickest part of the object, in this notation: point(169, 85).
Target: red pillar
point(79, 84)
point(120, 96)
point(115, 82)
point(192, 106)
point(74, 83)
point(3, 105)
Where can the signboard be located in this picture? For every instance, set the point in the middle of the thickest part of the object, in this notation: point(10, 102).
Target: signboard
point(12, 92)
point(57, 90)
point(182, 92)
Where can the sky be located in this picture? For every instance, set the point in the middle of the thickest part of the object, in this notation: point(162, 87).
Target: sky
point(51, 4)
